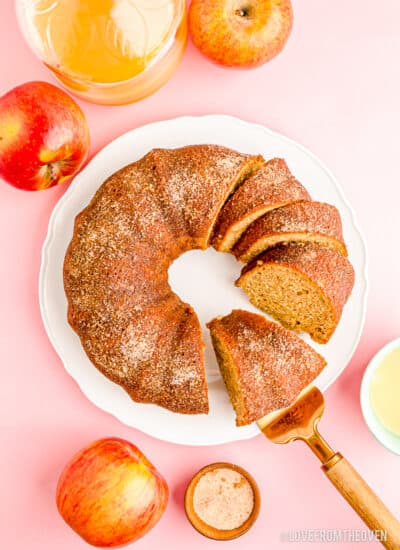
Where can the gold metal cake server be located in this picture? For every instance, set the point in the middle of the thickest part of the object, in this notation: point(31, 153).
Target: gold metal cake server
point(299, 421)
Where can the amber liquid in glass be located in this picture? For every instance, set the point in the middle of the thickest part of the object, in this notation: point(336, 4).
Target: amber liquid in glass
point(109, 51)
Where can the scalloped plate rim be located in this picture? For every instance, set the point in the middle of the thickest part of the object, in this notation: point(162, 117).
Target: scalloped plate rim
point(49, 241)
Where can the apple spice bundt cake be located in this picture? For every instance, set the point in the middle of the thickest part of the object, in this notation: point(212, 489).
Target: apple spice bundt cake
point(303, 221)
point(271, 187)
point(264, 366)
point(303, 286)
point(133, 327)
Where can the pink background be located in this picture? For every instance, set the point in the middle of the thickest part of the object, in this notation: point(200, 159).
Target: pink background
point(335, 89)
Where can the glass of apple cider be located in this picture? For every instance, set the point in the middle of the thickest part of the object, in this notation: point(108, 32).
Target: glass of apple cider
point(107, 51)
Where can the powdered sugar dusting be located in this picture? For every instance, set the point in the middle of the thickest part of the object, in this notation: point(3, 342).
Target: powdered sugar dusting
point(272, 364)
point(309, 217)
point(270, 187)
point(138, 345)
point(133, 327)
point(196, 181)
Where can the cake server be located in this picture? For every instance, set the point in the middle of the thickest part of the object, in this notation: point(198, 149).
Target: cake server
point(299, 421)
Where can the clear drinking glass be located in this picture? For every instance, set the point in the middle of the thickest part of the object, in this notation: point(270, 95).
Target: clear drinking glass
point(107, 51)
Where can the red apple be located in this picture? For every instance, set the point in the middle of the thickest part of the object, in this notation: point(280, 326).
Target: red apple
point(240, 33)
point(44, 136)
point(110, 494)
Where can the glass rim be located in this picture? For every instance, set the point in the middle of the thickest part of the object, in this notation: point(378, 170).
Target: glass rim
point(23, 26)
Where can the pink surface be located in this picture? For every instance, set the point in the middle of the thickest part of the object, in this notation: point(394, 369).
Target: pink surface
point(335, 89)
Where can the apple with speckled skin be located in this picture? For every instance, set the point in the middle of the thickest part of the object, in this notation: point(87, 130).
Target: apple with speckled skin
point(44, 136)
point(240, 33)
point(110, 494)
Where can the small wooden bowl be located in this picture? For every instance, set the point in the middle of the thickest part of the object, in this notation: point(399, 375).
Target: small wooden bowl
point(208, 530)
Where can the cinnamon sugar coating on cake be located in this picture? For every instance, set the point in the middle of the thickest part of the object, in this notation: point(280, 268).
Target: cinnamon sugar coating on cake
point(303, 286)
point(264, 365)
point(133, 327)
point(270, 187)
point(303, 221)
point(194, 183)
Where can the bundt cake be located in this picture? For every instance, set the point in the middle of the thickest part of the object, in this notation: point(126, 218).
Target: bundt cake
point(303, 286)
point(303, 221)
point(140, 334)
point(133, 327)
point(264, 365)
point(271, 187)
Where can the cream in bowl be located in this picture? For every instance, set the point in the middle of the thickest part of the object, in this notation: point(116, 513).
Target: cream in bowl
point(222, 501)
point(380, 396)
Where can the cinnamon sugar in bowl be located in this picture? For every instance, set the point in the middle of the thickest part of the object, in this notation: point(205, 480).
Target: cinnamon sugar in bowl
point(222, 501)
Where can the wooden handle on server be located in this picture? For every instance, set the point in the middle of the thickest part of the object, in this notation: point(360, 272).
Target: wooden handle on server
point(364, 501)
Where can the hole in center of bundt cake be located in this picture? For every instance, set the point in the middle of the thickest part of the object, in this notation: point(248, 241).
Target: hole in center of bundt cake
point(204, 279)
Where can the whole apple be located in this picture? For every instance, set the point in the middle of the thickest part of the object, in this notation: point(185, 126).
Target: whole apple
point(110, 494)
point(44, 136)
point(240, 33)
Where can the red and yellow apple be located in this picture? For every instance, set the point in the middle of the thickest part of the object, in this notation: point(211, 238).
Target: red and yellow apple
point(240, 33)
point(110, 494)
point(44, 136)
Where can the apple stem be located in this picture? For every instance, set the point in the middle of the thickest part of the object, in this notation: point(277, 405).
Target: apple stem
point(242, 12)
point(51, 172)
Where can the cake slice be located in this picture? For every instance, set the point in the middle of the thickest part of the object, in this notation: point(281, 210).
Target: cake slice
point(264, 366)
point(303, 286)
point(303, 221)
point(192, 185)
point(271, 187)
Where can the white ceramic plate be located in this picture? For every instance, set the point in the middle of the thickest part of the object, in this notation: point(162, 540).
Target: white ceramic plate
point(204, 279)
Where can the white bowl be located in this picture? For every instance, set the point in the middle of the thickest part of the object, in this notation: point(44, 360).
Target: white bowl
point(387, 438)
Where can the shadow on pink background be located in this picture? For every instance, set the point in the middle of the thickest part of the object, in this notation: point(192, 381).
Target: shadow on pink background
point(335, 89)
